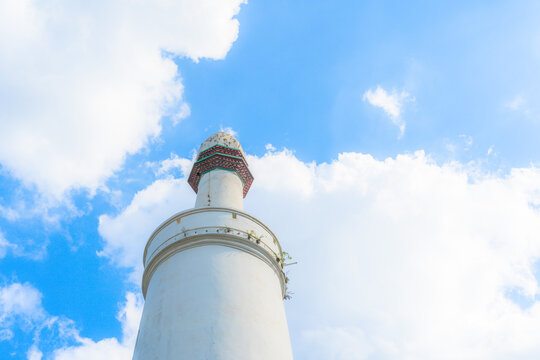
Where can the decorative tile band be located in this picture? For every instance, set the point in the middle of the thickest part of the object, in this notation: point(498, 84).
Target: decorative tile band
point(220, 157)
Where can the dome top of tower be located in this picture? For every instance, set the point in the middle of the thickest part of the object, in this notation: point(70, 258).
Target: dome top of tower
point(221, 138)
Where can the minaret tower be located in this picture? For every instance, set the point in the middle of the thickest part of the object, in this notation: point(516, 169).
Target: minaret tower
point(213, 275)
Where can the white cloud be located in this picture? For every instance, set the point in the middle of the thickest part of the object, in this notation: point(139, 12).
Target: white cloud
point(517, 103)
point(467, 141)
point(82, 84)
point(5, 245)
point(28, 249)
point(229, 130)
point(126, 234)
point(34, 353)
point(21, 307)
point(20, 304)
point(23, 318)
point(417, 256)
point(109, 348)
point(461, 144)
point(400, 258)
point(9, 213)
point(337, 343)
point(164, 167)
point(20, 299)
point(391, 103)
point(183, 113)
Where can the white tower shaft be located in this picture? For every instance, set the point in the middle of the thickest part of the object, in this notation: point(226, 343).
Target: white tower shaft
point(213, 279)
point(220, 188)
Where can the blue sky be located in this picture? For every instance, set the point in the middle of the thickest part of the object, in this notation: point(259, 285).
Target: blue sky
point(409, 130)
point(306, 66)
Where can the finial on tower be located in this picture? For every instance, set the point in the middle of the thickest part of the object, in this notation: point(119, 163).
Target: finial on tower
point(221, 151)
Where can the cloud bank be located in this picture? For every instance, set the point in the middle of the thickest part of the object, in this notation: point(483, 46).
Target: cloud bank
point(400, 258)
point(110, 348)
point(21, 309)
point(83, 84)
point(20, 305)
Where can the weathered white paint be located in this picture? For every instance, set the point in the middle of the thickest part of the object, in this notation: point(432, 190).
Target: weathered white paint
point(223, 139)
point(213, 302)
point(213, 280)
point(220, 188)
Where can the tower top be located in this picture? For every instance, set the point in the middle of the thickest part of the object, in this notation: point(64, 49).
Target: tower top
point(223, 139)
point(221, 151)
